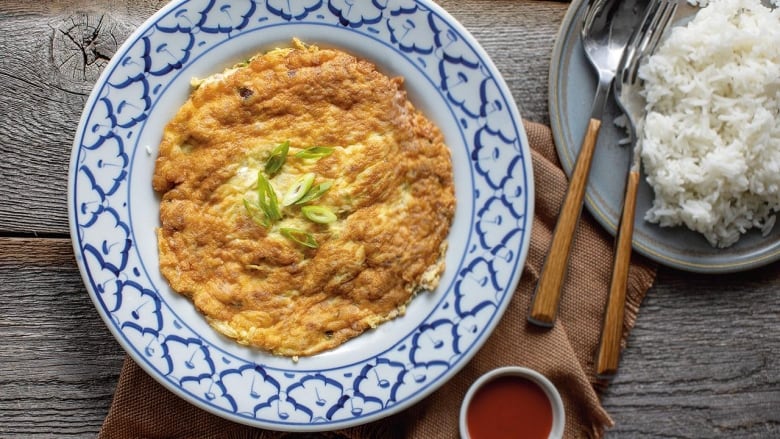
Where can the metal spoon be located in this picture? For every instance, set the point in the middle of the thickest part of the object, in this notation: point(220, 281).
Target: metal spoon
point(607, 26)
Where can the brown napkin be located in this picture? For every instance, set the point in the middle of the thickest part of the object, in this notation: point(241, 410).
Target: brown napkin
point(144, 409)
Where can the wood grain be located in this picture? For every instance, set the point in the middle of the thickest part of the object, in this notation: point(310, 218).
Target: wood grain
point(547, 295)
point(52, 54)
point(703, 361)
point(608, 357)
point(60, 364)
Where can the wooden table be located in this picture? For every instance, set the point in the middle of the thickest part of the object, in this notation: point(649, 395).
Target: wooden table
point(703, 360)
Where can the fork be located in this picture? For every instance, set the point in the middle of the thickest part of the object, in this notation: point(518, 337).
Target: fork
point(657, 18)
point(605, 33)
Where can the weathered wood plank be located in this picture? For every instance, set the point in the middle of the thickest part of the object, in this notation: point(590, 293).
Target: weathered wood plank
point(52, 54)
point(703, 359)
point(59, 362)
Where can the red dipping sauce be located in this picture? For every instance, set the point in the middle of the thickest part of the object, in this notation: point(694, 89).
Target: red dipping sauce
point(509, 407)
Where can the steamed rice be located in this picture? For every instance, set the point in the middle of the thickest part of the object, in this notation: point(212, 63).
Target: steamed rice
point(711, 139)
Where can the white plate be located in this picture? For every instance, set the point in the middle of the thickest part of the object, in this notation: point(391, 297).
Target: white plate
point(572, 87)
point(114, 211)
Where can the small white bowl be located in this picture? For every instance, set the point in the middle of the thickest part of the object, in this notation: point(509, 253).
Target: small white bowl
point(558, 416)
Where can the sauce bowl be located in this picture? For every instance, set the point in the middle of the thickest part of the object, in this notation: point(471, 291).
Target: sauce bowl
point(513, 402)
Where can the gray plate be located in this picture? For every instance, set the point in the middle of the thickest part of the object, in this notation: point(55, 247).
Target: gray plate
point(572, 87)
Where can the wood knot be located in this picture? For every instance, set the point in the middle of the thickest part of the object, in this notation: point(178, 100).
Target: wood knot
point(83, 44)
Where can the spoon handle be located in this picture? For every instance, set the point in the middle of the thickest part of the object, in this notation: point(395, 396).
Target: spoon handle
point(609, 348)
point(548, 290)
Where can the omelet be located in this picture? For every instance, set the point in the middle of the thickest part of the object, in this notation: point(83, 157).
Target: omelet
point(304, 199)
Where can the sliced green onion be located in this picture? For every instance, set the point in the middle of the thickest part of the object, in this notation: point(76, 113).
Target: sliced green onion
point(315, 152)
point(277, 158)
point(266, 197)
point(256, 214)
point(315, 192)
point(298, 189)
point(299, 236)
point(319, 214)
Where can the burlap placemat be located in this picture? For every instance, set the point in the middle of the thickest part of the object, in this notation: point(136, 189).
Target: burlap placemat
point(142, 408)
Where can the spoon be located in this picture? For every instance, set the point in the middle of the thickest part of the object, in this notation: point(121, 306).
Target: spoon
point(607, 26)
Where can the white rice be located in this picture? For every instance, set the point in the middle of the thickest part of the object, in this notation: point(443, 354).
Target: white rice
point(711, 139)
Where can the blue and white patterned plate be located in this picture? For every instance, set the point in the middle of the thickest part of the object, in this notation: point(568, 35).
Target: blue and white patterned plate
point(114, 211)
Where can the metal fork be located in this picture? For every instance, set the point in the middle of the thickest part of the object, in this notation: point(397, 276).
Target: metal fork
point(657, 18)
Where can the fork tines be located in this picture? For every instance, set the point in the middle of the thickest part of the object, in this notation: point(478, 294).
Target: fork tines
point(658, 16)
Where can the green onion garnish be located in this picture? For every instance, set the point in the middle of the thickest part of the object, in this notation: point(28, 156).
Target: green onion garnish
point(315, 192)
point(266, 197)
point(319, 214)
point(256, 214)
point(315, 152)
point(277, 158)
point(299, 236)
point(298, 189)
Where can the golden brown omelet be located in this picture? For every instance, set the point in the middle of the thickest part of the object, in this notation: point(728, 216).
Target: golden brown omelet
point(262, 272)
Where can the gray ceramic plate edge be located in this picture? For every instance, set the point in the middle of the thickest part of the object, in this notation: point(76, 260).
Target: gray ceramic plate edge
point(572, 85)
